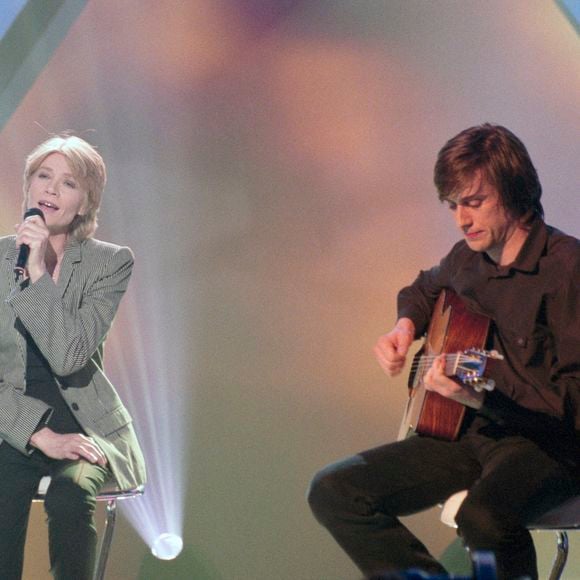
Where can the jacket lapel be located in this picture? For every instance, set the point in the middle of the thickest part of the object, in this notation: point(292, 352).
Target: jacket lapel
point(11, 256)
point(72, 256)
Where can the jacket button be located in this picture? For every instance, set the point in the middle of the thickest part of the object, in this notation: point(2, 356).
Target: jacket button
point(521, 341)
point(75, 407)
point(64, 387)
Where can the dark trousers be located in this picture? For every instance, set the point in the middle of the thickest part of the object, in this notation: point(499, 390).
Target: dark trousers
point(510, 481)
point(69, 505)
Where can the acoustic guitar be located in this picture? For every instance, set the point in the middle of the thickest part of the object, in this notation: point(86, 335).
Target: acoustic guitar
point(461, 335)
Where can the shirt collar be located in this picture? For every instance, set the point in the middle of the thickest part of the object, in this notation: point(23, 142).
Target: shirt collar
point(531, 252)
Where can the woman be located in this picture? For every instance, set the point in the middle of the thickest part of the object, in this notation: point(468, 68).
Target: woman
point(59, 415)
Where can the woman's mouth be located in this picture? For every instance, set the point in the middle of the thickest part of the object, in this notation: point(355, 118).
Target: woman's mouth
point(47, 206)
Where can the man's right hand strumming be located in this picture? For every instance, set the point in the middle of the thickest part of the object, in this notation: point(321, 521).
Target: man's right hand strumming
point(391, 349)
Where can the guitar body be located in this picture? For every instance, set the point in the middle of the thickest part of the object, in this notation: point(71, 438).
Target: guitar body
point(452, 328)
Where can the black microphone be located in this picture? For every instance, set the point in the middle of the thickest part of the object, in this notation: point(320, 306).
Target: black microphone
point(24, 249)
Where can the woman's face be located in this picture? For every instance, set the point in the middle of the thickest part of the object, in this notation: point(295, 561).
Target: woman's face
point(57, 193)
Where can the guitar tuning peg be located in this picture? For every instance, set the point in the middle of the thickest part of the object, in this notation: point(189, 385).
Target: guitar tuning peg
point(479, 384)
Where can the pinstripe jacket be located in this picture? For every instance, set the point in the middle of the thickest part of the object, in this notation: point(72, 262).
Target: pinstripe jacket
point(68, 321)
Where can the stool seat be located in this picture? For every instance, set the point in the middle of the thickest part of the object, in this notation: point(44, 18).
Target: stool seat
point(560, 519)
point(109, 493)
point(566, 516)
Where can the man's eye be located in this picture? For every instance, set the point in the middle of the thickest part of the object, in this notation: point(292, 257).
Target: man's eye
point(452, 206)
point(70, 184)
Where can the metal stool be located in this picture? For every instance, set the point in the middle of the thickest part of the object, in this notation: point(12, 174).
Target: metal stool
point(111, 494)
point(561, 519)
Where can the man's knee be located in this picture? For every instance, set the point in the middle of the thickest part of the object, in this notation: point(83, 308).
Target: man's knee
point(320, 493)
point(331, 490)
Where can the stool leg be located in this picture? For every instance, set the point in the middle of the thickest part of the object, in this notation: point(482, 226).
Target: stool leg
point(561, 556)
point(111, 515)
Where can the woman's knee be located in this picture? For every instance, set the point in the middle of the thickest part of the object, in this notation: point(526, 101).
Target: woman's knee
point(67, 499)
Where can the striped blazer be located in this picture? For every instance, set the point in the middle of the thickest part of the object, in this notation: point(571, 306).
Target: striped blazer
point(68, 321)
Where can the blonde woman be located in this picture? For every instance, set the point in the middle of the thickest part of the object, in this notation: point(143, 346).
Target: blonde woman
point(59, 414)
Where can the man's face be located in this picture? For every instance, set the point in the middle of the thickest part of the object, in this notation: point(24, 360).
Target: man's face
point(483, 220)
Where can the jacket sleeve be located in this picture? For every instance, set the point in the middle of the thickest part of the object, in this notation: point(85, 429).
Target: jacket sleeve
point(68, 338)
point(20, 417)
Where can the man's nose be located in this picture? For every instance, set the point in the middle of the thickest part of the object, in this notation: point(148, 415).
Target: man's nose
point(462, 216)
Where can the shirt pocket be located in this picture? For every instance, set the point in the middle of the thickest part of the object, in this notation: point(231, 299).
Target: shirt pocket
point(534, 350)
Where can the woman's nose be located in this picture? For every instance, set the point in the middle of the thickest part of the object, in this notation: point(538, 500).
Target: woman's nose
point(51, 187)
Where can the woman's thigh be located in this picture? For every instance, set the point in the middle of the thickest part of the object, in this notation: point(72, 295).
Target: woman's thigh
point(19, 482)
point(74, 482)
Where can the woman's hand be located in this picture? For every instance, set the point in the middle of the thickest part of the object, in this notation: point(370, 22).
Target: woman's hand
point(436, 380)
point(68, 446)
point(34, 233)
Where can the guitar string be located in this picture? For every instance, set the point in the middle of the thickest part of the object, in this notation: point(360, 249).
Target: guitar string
point(428, 359)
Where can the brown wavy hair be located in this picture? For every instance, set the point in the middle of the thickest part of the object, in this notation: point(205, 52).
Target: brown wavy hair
point(504, 162)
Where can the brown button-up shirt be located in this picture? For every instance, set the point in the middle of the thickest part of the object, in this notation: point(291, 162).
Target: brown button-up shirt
point(534, 306)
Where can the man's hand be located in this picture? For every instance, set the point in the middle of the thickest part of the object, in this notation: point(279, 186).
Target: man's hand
point(68, 446)
point(436, 380)
point(391, 349)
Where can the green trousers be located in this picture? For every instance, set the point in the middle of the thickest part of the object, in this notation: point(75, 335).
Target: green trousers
point(69, 505)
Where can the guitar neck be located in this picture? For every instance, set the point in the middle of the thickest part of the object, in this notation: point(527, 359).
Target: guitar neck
point(455, 363)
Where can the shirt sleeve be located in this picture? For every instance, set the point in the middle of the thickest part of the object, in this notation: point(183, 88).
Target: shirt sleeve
point(418, 300)
point(564, 321)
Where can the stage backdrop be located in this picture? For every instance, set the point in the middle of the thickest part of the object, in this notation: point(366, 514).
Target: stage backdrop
point(270, 163)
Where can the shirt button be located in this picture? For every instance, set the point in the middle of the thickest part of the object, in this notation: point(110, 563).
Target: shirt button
point(75, 407)
point(521, 341)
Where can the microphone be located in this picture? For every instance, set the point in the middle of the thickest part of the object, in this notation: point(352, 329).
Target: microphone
point(24, 249)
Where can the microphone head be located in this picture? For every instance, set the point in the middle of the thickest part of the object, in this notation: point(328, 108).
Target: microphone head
point(34, 211)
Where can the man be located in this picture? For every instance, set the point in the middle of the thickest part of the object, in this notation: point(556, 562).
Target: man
point(518, 451)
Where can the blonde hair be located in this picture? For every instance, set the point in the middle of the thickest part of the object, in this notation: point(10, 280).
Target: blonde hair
point(87, 167)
